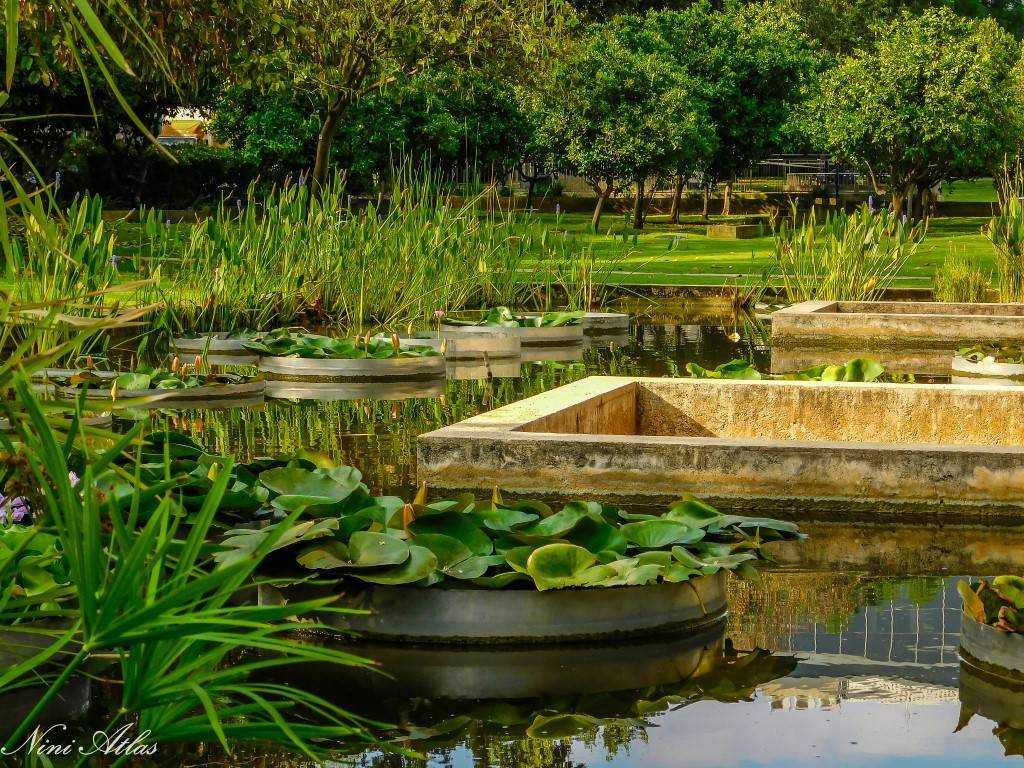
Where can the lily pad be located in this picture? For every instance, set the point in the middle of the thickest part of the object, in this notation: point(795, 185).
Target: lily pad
point(653, 534)
point(559, 565)
point(420, 564)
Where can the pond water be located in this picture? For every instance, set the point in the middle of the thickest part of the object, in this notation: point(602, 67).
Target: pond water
point(859, 625)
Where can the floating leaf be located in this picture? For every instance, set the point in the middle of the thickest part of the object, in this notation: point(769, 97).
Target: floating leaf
point(370, 550)
point(420, 564)
point(558, 565)
point(654, 534)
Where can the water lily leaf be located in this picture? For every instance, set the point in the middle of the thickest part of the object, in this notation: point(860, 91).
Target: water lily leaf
point(659, 557)
point(474, 567)
point(561, 726)
point(654, 534)
point(596, 535)
point(420, 564)
point(1011, 589)
point(517, 557)
point(458, 526)
point(502, 713)
point(368, 549)
point(560, 523)
point(695, 513)
point(973, 606)
point(687, 558)
point(334, 484)
point(443, 728)
point(330, 554)
point(449, 550)
point(679, 572)
point(734, 369)
point(241, 543)
point(502, 519)
point(133, 381)
point(554, 566)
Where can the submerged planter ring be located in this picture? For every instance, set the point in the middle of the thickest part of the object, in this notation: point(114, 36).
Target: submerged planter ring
point(547, 336)
point(326, 391)
point(1001, 652)
point(457, 345)
point(365, 369)
point(210, 396)
point(218, 348)
point(439, 615)
point(603, 323)
point(986, 371)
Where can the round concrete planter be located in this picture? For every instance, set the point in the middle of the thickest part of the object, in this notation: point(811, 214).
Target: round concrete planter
point(987, 371)
point(368, 370)
point(558, 336)
point(606, 340)
point(218, 349)
point(1000, 652)
point(561, 354)
point(433, 615)
point(463, 346)
point(101, 421)
point(333, 391)
point(991, 696)
point(211, 396)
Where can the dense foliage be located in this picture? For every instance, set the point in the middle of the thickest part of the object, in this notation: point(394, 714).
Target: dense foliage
point(999, 603)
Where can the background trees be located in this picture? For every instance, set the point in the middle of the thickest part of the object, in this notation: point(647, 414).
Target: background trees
point(938, 99)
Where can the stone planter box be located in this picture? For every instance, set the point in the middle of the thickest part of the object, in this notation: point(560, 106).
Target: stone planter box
point(838, 450)
point(886, 325)
point(464, 346)
point(735, 231)
point(218, 349)
point(921, 362)
point(368, 370)
point(327, 391)
point(999, 652)
point(558, 336)
point(432, 615)
point(212, 396)
point(987, 371)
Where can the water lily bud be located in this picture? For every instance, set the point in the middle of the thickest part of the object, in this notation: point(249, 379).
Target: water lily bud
point(174, 364)
point(395, 342)
point(408, 515)
point(199, 362)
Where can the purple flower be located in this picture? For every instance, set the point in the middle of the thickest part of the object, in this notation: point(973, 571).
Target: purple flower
point(439, 313)
point(73, 478)
point(558, 209)
point(15, 509)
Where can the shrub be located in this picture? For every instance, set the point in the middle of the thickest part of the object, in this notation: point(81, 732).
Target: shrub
point(960, 279)
point(1006, 233)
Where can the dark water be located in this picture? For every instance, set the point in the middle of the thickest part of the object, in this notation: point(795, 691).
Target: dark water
point(859, 625)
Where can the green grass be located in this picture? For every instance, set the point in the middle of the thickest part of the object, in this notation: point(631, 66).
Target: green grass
point(973, 191)
point(681, 257)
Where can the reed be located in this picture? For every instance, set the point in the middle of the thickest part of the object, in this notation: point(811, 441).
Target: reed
point(961, 279)
point(849, 257)
point(1006, 233)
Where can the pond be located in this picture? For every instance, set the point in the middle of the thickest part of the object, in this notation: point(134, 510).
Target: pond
point(858, 626)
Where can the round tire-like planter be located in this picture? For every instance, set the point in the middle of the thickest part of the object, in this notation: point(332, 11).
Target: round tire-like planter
point(552, 336)
point(606, 340)
point(367, 369)
point(558, 354)
point(433, 615)
point(991, 696)
point(601, 323)
point(463, 346)
point(986, 371)
point(1000, 653)
point(333, 391)
point(218, 349)
point(210, 396)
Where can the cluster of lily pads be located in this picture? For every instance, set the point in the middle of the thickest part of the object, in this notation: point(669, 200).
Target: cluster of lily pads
point(999, 603)
point(146, 377)
point(294, 342)
point(999, 353)
point(503, 317)
point(493, 544)
point(859, 370)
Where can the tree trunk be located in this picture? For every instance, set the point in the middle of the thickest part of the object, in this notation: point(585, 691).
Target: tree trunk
point(595, 221)
point(706, 191)
point(324, 142)
point(638, 205)
point(677, 201)
point(531, 181)
point(727, 199)
point(897, 196)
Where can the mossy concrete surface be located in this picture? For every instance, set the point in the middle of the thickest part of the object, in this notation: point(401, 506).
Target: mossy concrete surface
point(837, 450)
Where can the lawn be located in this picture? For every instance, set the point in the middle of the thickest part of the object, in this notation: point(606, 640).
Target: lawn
point(683, 257)
point(973, 191)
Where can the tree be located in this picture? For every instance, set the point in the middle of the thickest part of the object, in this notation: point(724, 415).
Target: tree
point(619, 111)
point(749, 66)
point(339, 52)
point(938, 99)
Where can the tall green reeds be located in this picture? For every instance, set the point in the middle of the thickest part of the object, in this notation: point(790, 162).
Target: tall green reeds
point(848, 257)
point(960, 278)
point(1006, 233)
point(315, 258)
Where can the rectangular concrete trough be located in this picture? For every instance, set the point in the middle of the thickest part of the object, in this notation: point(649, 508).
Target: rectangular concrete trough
point(906, 336)
point(833, 449)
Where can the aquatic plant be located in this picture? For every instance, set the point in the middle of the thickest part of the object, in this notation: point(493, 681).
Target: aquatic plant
point(999, 603)
point(497, 544)
point(859, 369)
point(849, 257)
point(1005, 231)
point(146, 377)
point(961, 279)
point(996, 353)
point(292, 342)
point(504, 317)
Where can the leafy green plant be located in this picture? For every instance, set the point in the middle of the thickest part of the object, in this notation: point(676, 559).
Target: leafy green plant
point(498, 544)
point(146, 377)
point(291, 342)
point(505, 318)
point(999, 603)
point(859, 369)
point(1000, 353)
point(960, 279)
point(849, 257)
point(1006, 233)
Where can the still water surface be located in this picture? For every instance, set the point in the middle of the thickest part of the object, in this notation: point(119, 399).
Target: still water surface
point(860, 624)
